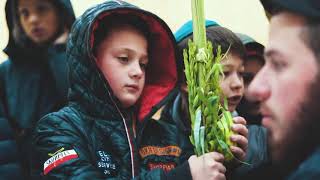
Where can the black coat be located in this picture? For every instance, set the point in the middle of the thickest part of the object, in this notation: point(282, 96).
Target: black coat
point(33, 82)
point(10, 167)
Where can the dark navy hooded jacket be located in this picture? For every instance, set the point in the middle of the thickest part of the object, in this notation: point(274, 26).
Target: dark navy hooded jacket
point(33, 82)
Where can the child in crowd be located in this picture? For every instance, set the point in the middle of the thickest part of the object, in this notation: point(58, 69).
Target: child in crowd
point(249, 109)
point(232, 82)
point(33, 81)
point(232, 87)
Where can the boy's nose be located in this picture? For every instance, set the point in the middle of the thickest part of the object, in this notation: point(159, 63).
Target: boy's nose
point(237, 82)
point(33, 17)
point(136, 70)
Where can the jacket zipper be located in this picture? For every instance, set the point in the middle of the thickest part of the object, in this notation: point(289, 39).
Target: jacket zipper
point(130, 146)
point(128, 138)
point(125, 124)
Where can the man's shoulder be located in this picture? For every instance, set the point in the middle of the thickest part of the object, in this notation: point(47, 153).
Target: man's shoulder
point(308, 169)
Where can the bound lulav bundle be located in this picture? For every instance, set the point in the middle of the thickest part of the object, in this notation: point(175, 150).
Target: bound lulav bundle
point(211, 120)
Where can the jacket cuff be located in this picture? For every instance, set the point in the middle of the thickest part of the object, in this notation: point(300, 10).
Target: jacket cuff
point(180, 172)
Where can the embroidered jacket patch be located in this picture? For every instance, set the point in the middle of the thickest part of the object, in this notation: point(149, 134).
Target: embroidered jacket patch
point(164, 166)
point(58, 159)
point(160, 151)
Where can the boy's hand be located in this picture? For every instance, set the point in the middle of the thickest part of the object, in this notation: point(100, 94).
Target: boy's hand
point(240, 138)
point(209, 166)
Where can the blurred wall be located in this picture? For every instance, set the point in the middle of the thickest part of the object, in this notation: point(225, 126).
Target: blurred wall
point(245, 16)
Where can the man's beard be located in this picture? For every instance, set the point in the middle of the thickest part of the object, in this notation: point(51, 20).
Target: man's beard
point(303, 138)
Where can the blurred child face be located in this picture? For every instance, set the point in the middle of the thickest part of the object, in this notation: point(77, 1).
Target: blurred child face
point(232, 83)
point(251, 67)
point(122, 58)
point(39, 19)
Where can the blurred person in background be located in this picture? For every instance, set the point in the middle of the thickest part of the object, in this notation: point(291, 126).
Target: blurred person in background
point(253, 62)
point(33, 80)
point(250, 110)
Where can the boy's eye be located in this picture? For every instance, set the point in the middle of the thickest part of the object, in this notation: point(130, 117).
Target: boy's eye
point(277, 65)
point(226, 73)
point(123, 59)
point(23, 13)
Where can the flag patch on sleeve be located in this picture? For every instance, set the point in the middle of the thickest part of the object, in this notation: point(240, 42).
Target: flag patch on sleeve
point(58, 159)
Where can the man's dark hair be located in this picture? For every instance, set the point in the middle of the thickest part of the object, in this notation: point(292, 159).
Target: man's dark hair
point(312, 36)
point(311, 33)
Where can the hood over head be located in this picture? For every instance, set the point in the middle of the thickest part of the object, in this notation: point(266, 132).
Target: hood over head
point(18, 42)
point(88, 85)
point(253, 48)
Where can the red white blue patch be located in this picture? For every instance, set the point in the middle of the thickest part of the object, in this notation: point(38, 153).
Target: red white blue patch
point(58, 159)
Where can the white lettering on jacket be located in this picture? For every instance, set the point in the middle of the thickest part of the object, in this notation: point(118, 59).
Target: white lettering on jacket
point(58, 159)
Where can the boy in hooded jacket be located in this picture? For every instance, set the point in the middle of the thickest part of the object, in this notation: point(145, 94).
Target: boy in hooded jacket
point(33, 80)
point(122, 69)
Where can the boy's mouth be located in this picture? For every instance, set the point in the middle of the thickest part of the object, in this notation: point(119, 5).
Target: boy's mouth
point(38, 32)
point(132, 87)
point(234, 100)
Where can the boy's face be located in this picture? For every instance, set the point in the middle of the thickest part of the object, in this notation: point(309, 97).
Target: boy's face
point(251, 67)
point(39, 20)
point(232, 83)
point(122, 57)
point(282, 85)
